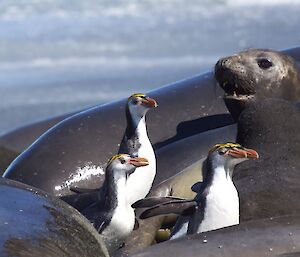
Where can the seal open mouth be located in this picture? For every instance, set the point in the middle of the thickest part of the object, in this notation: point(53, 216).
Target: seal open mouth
point(234, 82)
point(235, 90)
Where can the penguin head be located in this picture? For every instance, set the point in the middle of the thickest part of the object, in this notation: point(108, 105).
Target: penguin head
point(228, 155)
point(124, 164)
point(139, 104)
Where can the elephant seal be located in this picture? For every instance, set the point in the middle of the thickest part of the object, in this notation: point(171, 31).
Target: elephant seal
point(278, 237)
point(257, 74)
point(33, 223)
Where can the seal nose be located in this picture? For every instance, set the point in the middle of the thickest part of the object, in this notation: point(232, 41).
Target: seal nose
point(221, 69)
point(223, 63)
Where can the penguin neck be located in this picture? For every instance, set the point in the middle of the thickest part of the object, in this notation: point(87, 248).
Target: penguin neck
point(215, 173)
point(136, 124)
point(115, 190)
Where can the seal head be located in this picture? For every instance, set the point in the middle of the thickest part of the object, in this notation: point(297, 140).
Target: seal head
point(257, 73)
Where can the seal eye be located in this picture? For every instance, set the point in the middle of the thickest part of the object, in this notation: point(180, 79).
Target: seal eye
point(264, 63)
point(123, 161)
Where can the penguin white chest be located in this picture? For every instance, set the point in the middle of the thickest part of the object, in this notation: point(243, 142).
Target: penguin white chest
point(222, 206)
point(140, 182)
point(120, 227)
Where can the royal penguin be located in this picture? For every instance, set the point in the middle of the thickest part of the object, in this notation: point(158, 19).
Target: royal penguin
point(136, 143)
point(216, 204)
point(112, 215)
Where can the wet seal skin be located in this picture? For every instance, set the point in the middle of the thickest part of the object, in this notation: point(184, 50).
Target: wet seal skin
point(6, 157)
point(270, 187)
point(34, 224)
point(276, 237)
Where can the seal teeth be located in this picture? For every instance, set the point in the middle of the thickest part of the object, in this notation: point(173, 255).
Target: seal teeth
point(234, 93)
point(225, 83)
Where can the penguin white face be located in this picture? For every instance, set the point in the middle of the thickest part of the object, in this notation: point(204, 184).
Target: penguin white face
point(139, 104)
point(125, 164)
point(231, 154)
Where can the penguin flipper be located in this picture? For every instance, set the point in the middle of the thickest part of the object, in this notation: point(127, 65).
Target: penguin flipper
point(81, 201)
point(196, 187)
point(179, 207)
point(152, 201)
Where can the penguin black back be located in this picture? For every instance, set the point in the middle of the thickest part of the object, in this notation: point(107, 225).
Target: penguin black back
point(112, 216)
point(100, 213)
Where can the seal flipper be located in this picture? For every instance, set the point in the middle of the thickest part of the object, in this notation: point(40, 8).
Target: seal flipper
point(152, 201)
point(179, 207)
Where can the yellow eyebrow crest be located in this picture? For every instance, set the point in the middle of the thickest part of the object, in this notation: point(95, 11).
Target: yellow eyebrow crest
point(226, 145)
point(117, 156)
point(137, 95)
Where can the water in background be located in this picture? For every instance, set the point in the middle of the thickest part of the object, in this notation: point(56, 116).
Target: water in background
point(58, 56)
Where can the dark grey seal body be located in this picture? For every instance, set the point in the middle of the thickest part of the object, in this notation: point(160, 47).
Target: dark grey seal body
point(7, 156)
point(270, 187)
point(34, 224)
point(278, 237)
point(17, 140)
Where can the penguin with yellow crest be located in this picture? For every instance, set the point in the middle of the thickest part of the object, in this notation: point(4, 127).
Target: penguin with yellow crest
point(216, 204)
point(112, 215)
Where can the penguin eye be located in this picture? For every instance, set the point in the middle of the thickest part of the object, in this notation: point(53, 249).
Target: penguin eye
point(122, 161)
point(222, 152)
point(264, 63)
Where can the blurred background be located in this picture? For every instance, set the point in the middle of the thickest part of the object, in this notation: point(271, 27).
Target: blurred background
point(58, 56)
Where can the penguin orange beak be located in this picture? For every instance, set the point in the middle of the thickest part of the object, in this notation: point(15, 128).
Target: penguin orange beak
point(243, 153)
point(139, 162)
point(149, 102)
